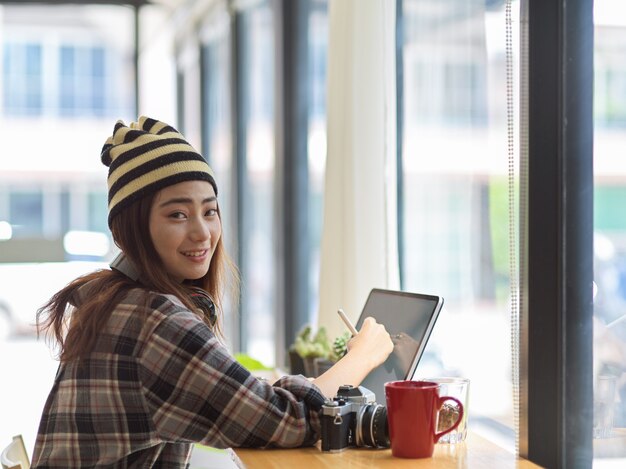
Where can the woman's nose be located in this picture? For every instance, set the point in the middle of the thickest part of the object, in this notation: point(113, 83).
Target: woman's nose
point(200, 230)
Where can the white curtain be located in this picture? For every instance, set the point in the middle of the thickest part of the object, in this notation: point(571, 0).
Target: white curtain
point(359, 238)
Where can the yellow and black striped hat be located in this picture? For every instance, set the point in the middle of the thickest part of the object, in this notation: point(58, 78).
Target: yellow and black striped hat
point(145, 157)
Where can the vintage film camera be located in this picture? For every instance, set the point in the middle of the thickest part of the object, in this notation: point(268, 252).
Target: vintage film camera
point(353, 418)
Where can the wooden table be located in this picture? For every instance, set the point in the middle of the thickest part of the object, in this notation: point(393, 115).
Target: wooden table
point(475, 453)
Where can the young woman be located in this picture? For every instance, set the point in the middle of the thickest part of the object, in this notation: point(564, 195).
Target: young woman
point(143, 372)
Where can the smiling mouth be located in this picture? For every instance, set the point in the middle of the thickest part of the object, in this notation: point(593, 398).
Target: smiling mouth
point(195, 253)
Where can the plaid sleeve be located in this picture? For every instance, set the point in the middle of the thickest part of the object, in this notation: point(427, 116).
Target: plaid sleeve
point(197, 392)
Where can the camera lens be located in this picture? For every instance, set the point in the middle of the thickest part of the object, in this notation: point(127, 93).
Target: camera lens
point(372, 429)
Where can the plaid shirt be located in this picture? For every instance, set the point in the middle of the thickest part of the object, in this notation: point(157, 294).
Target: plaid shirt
point(158, 381)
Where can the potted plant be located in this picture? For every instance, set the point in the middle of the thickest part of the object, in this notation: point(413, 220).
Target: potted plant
point(312, 354)
point(310, 347)
point(296, 362)
point(338, 350)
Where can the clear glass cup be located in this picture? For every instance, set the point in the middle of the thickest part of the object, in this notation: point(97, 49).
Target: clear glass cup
point(454, 387)
point(603, 406)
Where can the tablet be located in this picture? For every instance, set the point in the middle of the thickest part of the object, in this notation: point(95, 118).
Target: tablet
point(409, 318)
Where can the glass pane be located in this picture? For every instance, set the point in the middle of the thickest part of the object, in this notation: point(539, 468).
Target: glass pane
point(26, 214)
point(259, 266)
point(98, 211)
point(609, 235)
point(67, 60)
point(66, 82)
point(98, 79)
point(22, 78)
point(33, 79)
point(316, 145)
point(51, 177)
point(455, 215)
point(218, 131)
point(217, 139)
point(88, 71)
point(65, 209)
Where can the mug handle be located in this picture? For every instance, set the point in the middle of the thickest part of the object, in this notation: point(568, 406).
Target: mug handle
point(443, 399)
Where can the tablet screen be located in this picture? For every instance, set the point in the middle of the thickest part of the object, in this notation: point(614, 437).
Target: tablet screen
point(409, 319)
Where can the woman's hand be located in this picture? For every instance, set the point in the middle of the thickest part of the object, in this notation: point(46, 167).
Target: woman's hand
point(372, 343)
point(366, 350)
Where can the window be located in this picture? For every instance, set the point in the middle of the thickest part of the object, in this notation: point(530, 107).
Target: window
point(66, 82)
point(257, 261)
point(67, 61)
point(98, 210)
point(26, 213)
point(216, 137)
point(610, 70)
point(316, 144)
point(81, 83)
point(23, 79)
point(609, 234)
point(84, 66)
point(251, 214)
point(65, 222)
point(51, 210)
point(454, 219)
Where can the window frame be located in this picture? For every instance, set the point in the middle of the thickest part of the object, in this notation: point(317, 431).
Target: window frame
point(556, 253)
point(556, 412)
point(292, 175)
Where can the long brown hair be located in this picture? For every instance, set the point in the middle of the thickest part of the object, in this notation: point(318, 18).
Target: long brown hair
point(75, 329)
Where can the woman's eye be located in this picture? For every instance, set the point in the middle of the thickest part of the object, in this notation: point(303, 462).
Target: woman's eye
point(177, 215)
point(211, 212)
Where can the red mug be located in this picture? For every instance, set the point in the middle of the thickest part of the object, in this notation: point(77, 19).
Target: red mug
point(412, 408)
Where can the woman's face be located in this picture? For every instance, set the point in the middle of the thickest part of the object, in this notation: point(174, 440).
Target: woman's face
point(185, 228)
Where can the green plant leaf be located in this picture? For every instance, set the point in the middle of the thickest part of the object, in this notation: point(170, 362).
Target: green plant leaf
point(250, 363)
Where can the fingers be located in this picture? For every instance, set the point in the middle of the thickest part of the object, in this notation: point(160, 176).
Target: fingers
point(372, 344)
point(371, 322)
point(379, 334)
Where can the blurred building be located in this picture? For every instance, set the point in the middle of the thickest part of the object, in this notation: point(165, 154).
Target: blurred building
point(66, 75)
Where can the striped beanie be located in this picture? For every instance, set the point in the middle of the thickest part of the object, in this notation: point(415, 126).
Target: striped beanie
point(145, 157)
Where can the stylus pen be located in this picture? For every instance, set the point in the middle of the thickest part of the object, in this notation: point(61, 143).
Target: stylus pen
point(347, 322)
